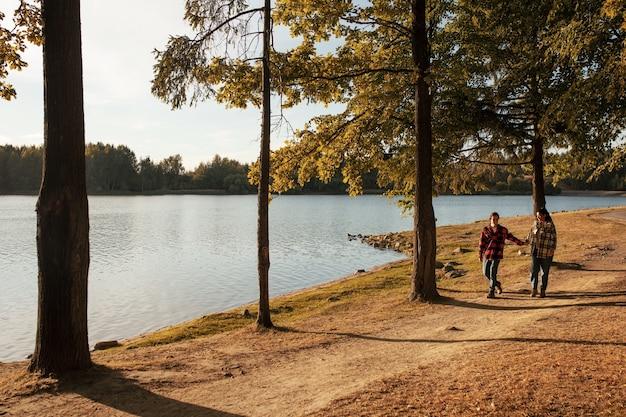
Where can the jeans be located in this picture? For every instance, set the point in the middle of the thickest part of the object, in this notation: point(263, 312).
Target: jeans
point(544, 265)
point(490, 270)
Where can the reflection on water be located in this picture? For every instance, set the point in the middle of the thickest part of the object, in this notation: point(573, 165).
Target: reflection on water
point(159, 260)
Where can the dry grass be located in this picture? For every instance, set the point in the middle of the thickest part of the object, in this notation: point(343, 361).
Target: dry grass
point(321, 301)
point(563, 365)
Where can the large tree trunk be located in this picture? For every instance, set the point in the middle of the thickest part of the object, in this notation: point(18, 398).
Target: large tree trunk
point(263, 319)
point(539, 190)
point(423, 285)
point(62, 212)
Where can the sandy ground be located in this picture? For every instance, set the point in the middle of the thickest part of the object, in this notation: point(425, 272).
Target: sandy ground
point(564, 355)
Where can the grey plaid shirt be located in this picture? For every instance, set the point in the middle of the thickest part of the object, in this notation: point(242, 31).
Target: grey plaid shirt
point(542, 238)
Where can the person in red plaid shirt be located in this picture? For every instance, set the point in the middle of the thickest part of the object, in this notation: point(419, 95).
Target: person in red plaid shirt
point(491, 251)
point(542, 239)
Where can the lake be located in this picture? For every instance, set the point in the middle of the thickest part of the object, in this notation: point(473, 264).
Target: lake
point(159, 260)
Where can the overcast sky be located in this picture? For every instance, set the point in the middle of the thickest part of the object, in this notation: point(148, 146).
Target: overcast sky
point(118, 39)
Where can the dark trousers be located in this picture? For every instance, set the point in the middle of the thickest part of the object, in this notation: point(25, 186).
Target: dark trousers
point(537, 264)
point(490, 271)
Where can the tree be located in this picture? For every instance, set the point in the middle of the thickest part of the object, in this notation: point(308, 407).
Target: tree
point(110, 168)
point(527, 99)
point(194, 64)
point(212, 175)
point(150, 175)
point(20, 168)
point(62, 211)
point(172, 169)
point(26, 28)
point(592, 38)
point(384, 55)
point(423, 284)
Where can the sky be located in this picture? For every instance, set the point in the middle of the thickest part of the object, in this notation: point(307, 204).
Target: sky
point(118, 39)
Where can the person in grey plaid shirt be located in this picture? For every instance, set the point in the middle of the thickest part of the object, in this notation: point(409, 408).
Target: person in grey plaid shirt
point(542, 239)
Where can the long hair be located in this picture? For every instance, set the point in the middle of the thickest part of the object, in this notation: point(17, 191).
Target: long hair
point(545, 212)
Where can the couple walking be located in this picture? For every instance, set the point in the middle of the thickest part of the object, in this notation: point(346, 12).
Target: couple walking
point(542, 240)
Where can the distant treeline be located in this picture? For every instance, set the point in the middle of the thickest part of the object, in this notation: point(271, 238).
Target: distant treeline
point(115, 169)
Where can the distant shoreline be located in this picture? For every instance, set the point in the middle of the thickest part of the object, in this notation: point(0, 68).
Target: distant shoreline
point(564, 193)
point(593, 193)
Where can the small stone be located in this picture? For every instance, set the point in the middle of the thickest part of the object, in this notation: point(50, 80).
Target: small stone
point(460, 250)
point(438, 265)
point(107, 344)
point(454, 329)
point(228, 375)
point(521, 252)
point(360, 271)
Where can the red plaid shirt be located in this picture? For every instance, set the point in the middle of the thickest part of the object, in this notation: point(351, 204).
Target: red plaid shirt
point(491, 244)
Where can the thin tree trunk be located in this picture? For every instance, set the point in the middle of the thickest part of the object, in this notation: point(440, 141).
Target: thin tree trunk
point(62, 211)
point(263, 319)
point(423, 285)
point(539, 190)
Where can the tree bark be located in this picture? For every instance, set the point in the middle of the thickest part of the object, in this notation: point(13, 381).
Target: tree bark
point(538, 184)
point(62, 210)
point(263, 319)
point(423, 284)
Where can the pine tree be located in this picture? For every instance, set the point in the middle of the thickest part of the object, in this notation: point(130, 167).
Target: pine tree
point(193, 64)
point(62, 211)
point(530, 98)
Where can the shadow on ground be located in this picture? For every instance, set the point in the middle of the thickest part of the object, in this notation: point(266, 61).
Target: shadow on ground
point(477, 340)
point(109, 387)
point(491, 306)
point(586, 294)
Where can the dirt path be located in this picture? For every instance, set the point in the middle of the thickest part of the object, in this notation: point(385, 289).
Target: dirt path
point(362, 362)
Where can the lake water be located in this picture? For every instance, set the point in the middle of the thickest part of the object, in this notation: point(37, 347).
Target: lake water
point(159, 260)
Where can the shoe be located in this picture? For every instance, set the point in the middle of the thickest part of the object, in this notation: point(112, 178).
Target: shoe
point(533, 293)
point(491, 294)
point(542, 294)
point(499, 287)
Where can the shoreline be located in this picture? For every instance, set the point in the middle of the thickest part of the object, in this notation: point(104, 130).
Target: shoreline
point(564, 193)
point(617, 213)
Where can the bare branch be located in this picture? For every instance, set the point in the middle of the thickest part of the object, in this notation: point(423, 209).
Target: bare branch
point(210, 32)
point(353, 74)
point(380, 22)
point(476, 161)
